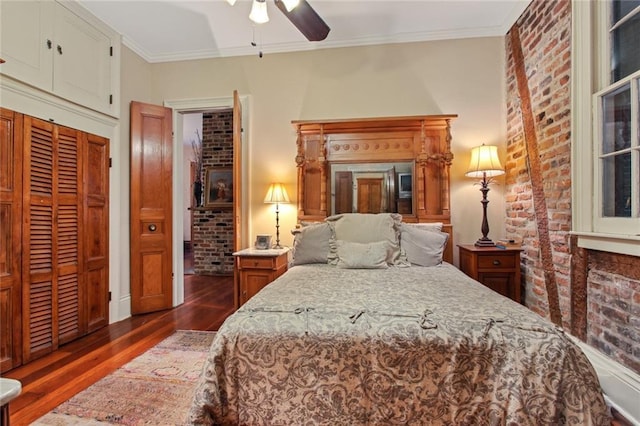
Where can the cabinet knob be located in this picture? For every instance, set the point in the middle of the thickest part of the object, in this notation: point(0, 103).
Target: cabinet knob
point(59, 49)
point(255, 263)
point(49, 44)
point(496, 262)
point(152, 227)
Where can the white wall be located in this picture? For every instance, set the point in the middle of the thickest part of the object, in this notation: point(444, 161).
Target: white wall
point(464, 77)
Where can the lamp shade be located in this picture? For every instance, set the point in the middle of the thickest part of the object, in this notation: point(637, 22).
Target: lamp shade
point(276, 194)
point(484, 162)
point(258, 12)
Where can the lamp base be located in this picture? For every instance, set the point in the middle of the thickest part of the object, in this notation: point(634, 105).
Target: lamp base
point(485, 242)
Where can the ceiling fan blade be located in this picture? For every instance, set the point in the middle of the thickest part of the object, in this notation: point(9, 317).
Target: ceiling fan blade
point(306, 19)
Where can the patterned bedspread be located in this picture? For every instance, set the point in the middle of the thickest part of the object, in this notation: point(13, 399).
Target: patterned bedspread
point(397, 346)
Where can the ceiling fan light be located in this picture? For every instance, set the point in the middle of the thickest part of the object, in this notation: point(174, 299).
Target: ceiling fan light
point(259, 12)
point(290, 4)
point(231, 2)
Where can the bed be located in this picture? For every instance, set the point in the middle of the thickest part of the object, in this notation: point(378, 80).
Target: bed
point(371, 327)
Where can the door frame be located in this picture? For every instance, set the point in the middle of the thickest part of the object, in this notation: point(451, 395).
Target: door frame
point(180, 107)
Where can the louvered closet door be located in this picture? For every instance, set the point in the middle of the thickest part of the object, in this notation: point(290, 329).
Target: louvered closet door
point(51, 244)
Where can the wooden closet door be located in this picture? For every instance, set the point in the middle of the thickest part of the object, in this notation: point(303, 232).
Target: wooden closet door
point(10, 239)
point(51, 247)
point(96, 235)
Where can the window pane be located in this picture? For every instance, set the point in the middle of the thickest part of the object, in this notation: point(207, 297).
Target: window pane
point(625, 54)
point(616, 186)
point(616, 108)
point(622, 7)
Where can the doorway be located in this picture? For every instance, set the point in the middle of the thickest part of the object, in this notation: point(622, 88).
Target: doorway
point(180, 109)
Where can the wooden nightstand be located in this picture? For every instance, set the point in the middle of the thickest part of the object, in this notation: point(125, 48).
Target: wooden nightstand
point(498, 269)
point(255, 268)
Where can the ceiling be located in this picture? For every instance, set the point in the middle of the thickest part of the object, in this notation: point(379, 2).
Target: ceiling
point(173, 30)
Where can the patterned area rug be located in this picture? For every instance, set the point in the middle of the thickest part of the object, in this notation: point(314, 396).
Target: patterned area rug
point(154, 389)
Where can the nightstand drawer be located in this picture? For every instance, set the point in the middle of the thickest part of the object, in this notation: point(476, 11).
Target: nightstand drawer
point(493, 261)
point(258, 262)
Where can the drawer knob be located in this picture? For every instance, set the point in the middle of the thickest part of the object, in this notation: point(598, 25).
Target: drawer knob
point(496, 262)
point(255, 263)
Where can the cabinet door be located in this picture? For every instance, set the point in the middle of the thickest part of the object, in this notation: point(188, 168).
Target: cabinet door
point(252, 281)
point(26, 31)
point(500, 282)
point(81, 61)
point(10, 238)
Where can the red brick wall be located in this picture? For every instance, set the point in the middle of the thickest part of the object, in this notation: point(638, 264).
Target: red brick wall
point(611, 282)
point(213, 234)
point(545, 34)
point(613, 286)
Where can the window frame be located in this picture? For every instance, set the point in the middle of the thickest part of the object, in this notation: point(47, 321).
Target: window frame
point(590, 47)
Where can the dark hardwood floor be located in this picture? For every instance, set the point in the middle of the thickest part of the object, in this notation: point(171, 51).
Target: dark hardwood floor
point(51, 380)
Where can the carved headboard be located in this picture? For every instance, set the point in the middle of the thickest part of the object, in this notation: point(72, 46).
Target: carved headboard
point(403, 161)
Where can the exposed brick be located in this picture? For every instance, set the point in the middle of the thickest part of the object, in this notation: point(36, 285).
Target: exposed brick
point(606, 290)
point(212, 236)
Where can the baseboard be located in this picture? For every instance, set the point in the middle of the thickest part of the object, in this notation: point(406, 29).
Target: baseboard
point(620, 385)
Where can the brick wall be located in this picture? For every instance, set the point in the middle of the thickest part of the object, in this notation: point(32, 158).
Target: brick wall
point(613, 285)
point(213, 232)
point(608, 318)
point(545, 34)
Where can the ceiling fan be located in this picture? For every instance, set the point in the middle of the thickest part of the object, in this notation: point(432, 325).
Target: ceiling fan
point(299, 12)
point(305, 19)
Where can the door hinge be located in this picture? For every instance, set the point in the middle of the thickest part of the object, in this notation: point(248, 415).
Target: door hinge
point(110, 99)
point(110, 162)
point(110, 50)
point(109, 297)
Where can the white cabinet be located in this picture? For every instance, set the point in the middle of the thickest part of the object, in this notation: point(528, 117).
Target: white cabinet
point(50, 46)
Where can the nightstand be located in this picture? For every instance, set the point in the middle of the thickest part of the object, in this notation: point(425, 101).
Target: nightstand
point(255, 268)
point(498, 269)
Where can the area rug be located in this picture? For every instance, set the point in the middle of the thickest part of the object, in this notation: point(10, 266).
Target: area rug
point(154, 389)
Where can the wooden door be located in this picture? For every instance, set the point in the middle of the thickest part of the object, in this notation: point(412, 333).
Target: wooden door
point(96, 235)
point(344, 192)
point(10, 238)
point(51, 244)
point(369, 195)
point(237, 171)
point(151, 208)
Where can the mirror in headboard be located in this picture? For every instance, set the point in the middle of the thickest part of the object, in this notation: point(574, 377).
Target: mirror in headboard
point(392, 164)
point(371, 187)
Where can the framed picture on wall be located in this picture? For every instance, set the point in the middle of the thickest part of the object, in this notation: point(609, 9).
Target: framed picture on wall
point(219, 187)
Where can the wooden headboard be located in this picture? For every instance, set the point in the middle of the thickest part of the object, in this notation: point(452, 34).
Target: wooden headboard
point(420, 143)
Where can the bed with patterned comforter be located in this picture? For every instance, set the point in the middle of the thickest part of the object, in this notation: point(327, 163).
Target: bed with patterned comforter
point(404, 346)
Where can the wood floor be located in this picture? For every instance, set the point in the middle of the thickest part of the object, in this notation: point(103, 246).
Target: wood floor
point(51, 380)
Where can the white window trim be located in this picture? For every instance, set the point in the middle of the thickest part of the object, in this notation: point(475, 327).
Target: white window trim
point(586, 79)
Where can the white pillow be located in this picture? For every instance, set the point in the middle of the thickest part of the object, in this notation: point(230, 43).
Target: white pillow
point(362, 255)
point(367, 228)
point(422, 247)
point(431, 226)
point(311, 244)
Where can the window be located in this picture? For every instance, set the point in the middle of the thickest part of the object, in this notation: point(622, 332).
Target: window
point(606, 124)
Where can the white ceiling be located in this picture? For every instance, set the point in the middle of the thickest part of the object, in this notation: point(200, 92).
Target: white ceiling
point(172, 30)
